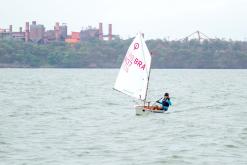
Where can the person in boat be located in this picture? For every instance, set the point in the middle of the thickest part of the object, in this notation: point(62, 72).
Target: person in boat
point(165, 102)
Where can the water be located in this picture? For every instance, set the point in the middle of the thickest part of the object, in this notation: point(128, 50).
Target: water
point(72, 117)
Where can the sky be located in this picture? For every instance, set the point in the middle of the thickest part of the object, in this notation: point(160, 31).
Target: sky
point(163, 19)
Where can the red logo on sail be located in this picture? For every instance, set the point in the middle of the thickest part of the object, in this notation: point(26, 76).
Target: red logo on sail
point(136, 46)
point(128, 61)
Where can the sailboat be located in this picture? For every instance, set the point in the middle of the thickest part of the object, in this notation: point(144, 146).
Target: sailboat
point(133, 77)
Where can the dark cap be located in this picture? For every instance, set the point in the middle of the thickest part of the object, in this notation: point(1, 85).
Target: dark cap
point(166, 94)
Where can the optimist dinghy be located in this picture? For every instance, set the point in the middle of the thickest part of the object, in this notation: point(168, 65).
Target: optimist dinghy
point(133, 77)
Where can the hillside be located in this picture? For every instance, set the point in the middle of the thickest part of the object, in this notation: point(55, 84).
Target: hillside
point(109, 54)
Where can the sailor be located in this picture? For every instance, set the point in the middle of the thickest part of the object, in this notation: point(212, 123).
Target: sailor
point(165, 102)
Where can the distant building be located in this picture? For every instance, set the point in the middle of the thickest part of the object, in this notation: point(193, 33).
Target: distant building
point(94, 33)
point(108, 36)
point(89, 34)
point(49, 36)
point(63, 31)
point(74, 38)
point(60, 31)
point(37, 32)
point(8, 33)
point(18, 35)
point(4, 34)
point(58, 34)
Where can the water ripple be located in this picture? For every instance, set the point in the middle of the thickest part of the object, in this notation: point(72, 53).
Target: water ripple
point(72, 116)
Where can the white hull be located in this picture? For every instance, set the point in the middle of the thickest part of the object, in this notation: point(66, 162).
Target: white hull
point(141, 110)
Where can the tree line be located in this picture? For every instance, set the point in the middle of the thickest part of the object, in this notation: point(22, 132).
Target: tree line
point(109, 54)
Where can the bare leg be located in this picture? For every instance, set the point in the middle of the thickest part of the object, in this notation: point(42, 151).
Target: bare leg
point(157, 107)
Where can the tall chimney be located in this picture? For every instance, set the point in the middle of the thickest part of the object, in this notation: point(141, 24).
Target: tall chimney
point(27, 32)
point(100, 31)
point(57, 36)
point(10, 28)
point(110, 32)
point(20, 29)
point(33, 22)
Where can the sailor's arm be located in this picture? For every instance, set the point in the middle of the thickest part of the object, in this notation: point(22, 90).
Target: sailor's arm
point(158, 101)
point(169, 102)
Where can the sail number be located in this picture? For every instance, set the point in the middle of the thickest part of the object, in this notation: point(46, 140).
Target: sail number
point(139, 63)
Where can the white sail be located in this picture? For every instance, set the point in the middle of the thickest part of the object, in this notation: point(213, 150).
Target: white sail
point(134, 72)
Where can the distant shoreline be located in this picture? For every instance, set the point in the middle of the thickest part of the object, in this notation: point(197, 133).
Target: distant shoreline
point(10, 67)
point(193, 54)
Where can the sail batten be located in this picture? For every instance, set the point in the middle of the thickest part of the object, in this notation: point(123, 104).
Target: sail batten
point(133, 76)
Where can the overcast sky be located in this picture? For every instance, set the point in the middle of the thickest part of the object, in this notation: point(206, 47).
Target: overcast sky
point(156, 18)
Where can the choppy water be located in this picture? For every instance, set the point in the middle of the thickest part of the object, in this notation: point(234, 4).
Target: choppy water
point(72, 117)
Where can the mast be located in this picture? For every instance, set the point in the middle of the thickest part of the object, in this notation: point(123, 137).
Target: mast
point(148, 72)
point(147, 85)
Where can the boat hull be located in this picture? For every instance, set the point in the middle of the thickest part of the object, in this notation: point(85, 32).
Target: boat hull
point(145, 110)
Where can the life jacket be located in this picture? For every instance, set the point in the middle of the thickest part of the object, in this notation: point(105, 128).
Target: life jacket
point(165, 103)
